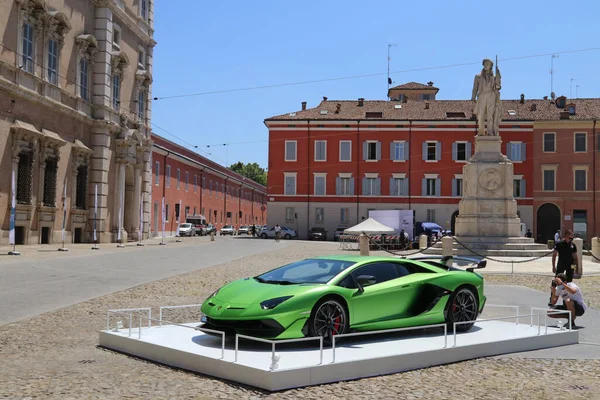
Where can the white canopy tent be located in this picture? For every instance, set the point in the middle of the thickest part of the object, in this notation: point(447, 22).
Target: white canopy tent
point(370, 227)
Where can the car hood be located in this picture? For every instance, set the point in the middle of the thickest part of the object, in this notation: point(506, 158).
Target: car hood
point(245, 292)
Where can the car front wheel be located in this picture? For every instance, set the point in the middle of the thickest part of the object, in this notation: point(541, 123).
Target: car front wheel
point(287, 236)
point(328, 318)
point(462, 307)
point(264, 235)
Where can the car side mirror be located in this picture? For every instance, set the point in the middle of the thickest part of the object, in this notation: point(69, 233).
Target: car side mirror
point(365, 280)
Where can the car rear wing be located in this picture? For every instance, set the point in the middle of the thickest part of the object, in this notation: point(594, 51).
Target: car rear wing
point(444, 260)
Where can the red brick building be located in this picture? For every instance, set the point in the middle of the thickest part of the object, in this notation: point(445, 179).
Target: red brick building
point(204, 188)
point(567, 181)
point(330, 165)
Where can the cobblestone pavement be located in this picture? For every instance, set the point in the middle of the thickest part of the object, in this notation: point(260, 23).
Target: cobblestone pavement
point(55, 355)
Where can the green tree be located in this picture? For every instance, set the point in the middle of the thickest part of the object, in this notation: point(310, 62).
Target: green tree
point(251, 170)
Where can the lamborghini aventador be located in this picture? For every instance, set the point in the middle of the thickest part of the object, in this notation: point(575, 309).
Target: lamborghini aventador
point(327, 296)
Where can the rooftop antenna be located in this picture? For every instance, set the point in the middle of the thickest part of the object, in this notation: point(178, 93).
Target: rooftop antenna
point(577, 91)
point(571, 88)
point(389, 80)
point(552, 72)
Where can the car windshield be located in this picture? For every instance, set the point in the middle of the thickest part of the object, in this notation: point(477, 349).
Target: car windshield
point(227, 227)
point(305, 271)
point(186, 225)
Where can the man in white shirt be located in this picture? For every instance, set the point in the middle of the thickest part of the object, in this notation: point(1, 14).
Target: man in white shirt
point(277, 232)
point(572, 298)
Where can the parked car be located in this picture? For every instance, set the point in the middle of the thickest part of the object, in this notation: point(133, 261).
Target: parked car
point(187, 229)
point(207, 229)
point(328, 296)
point(317, 233)
point(339, 232)
point(228, 230)
point(244, 230)
point(286, 233)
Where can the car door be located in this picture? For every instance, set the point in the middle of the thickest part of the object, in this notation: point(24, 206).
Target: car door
point(382, 300)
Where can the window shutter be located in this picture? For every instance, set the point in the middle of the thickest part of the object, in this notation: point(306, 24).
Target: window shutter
point(438, 189)
point(454, 151)
point(364, 186)
point(338, 185)
point(392, 152)
point(365, 150)
point(406, 148)
point(424, 187)
point(378, 151)
point(438, 151)
point(424, 151)
point(405, 188)
point(352, 186)
point(468, 150)
point(378, 186)
point(454, 187)
point(508, 152)
point(393, 187)
point(523, 154)
point(523, 188)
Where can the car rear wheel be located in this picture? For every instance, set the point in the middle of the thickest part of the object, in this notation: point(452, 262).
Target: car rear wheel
point(328, 318)
point(264, 235)
point(462, 307)
point(287, 236)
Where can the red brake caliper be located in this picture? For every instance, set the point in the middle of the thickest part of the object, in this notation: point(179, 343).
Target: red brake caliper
point(336, 325)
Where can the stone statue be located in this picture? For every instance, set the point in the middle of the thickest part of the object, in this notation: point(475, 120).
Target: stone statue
point(486, 92)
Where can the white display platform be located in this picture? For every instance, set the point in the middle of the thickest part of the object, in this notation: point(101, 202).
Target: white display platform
point(355, 357)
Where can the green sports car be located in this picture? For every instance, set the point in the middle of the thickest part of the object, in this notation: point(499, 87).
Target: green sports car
point(327, 296)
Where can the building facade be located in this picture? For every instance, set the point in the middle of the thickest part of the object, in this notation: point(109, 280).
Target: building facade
point(330, 165)
point(203, 188)
point(75, 110)
point(566, 166)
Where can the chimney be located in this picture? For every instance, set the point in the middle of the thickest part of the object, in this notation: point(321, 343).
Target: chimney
point(338, 106)
point(534, 107)
point(429, 83)
point(427, 105)
point(324, 98)
point(545, 97)
point(361, 101)
point(522, 101)
point(303, 106)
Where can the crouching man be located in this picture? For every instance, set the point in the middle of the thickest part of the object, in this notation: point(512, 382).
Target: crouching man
point(571, 296)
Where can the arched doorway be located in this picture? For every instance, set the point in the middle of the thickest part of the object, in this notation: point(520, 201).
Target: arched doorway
point(453, 222)
point(548, 222)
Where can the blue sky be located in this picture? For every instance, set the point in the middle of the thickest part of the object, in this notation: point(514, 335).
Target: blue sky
point(243, 44)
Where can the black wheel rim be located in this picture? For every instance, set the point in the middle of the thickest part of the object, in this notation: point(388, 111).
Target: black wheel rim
point(330, 320)
point(464, 307)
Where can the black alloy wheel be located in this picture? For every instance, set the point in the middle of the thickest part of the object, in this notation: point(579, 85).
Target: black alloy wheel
point(462, 307)
point(328, 318)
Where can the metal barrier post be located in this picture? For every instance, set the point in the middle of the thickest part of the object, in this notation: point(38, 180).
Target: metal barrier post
point(333, 348)
point(445, 336)
point(454, 334)
point(539, 325)
point(140, 329)
point(321, 350)
point(130, 323)
point(236, 347)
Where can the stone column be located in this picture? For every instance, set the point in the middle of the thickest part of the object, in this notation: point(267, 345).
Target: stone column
point(596, 249)
point(578, 242)
point(137, 197)
point(120, 196)
point(99, 166)
point(101, 86)
point(447, 244)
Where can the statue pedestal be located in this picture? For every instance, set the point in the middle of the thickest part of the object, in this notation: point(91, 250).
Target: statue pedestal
point(488, 208)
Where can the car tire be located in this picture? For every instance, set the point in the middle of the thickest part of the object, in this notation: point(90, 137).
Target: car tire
point(462, 306)
point(287, 236)
point(336, 322)
point(264, 235)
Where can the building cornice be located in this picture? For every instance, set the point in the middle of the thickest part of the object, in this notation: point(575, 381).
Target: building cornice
point(37, 98)
point(126, 19)
point(193, 163)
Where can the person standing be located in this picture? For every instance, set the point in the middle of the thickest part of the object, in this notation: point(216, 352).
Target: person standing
point(557, 237)
point(566, 251)
point(277, 232)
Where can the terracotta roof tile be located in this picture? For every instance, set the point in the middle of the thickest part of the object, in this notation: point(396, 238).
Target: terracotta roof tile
point(413, 86)
point(586, 109)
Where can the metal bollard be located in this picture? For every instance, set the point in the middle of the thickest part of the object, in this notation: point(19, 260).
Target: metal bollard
point(363, 243)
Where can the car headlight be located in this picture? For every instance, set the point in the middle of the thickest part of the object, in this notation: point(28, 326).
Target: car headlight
point(214, 294)
point(272, 303)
